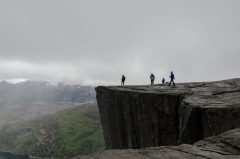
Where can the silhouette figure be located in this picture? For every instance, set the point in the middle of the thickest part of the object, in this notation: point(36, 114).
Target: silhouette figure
point(163, 81)
point(172, 78)
point(123, 80)
point(152, 77)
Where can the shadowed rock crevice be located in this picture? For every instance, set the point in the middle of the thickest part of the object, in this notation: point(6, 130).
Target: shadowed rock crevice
point(218, 93)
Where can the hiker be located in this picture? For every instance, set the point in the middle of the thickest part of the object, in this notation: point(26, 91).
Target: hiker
point(123, 80)
point(163, 81)
point(152, 77)
point(172, 78)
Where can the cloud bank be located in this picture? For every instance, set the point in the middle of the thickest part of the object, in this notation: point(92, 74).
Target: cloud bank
point(95, 42)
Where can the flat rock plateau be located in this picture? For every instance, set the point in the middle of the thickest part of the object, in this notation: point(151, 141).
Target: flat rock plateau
point(135, 117)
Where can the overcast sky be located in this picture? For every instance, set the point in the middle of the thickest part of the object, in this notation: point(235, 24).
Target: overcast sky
point(93, 42)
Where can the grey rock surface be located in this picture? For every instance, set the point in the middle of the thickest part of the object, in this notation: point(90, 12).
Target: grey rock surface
point(225, 146)
point(145, 116)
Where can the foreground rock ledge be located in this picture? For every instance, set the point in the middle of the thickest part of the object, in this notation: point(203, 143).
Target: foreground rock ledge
point(225, 146)
point(145, 116)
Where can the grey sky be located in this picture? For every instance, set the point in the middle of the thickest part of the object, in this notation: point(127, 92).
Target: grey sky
point(93, 42)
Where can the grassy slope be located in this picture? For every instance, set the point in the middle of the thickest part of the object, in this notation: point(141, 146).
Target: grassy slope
point(72, 132)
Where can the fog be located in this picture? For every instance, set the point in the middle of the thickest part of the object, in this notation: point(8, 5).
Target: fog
point(94, 42)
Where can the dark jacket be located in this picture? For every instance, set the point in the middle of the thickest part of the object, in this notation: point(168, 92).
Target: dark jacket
point(172, 76)
point(163, 81)
point(152, 77)
point(123, 78)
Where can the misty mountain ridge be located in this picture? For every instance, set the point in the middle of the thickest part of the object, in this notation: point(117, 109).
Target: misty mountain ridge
point(31, 91)
point(28, 99)
point(20, 80)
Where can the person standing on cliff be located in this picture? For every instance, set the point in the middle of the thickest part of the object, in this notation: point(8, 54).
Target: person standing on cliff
point(152, 77)
point(123, 80)
point(163, 81)
point(172, 78)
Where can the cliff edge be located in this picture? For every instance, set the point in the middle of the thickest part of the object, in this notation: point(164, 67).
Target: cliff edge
point(144, 116)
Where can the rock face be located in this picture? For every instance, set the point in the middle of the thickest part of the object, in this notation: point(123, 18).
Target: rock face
point(225, 146)
point(144, 116)
point(47, 139)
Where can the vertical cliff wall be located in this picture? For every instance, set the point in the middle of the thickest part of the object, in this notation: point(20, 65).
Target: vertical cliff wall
point(144, 116)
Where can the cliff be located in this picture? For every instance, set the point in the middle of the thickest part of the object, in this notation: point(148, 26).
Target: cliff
point(145, 116)
point(225, 146)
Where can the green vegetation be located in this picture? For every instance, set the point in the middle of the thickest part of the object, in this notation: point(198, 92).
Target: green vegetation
point(68, 133)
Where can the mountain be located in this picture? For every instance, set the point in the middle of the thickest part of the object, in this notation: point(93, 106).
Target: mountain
point(31, 91)
point(44, 119)
point(65, 134)
point(28, 99)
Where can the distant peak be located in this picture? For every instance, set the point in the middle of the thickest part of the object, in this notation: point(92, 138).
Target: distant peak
point(15, 81)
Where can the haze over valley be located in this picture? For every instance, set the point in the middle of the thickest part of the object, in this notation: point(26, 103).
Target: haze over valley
point(41, 119)
point(29, 99)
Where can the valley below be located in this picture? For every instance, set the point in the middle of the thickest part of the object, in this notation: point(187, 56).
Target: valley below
point(66, 133)
point(45, 120)
point(18, 112)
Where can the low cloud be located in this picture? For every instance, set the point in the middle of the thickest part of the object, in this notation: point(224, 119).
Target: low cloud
point(94, 43)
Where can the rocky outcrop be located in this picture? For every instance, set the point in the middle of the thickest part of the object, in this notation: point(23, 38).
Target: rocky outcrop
point(47, 139)
point(225, 146)
point(145, 116)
